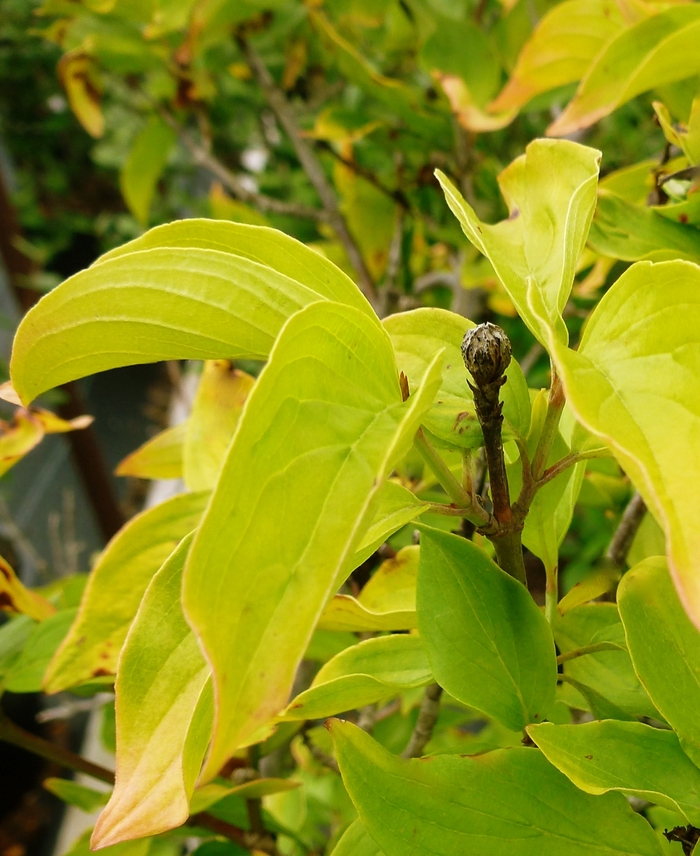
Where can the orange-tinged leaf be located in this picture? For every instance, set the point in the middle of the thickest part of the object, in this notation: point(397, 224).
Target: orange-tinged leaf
point(79, 75)
point(14, 597)
point(222, 392)
point(565, 43)
point(467, 113)
point(158, 458)
point(656, 51)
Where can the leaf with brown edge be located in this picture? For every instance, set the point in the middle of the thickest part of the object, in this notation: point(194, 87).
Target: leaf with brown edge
point(79, 74)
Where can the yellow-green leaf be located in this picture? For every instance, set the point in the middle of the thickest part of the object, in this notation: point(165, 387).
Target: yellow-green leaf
point(115, 588)
point(158, 458)
point(658, 50)
point(221, 394)
point(81, 79)
point(161, 679)
point(322, 429)
point(368, 672)
point(194, 289)
point(633, 382)
point(551, 195)
point(562, 47)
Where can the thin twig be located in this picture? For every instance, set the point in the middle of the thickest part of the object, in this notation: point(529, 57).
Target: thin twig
point(626, 530)
point(427, 717)
point(397, 196)
point(569, 461)
point(318, 754)
point(202, 157)
point(310, 163)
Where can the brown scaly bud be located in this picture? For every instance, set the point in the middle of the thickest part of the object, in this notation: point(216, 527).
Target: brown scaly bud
point(486, 352)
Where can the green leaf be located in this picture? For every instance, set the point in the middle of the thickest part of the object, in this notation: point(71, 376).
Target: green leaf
point(142, 847)
point(416, 336)
point(209, 795)
point(87, 799)
point(509, 802)
point(369, 672)
point(14, 634)
point(158, 458)
point(658, 50)
point(551, 195)
point(664, 646)
point(622, 230)
point(356, 842)
point(394, 507)
point(160, 684)
point(115, 588)
point(194, 289)
point(599, 706)
point(633, 382)
point(144, 165)
point(564, 44)
point(488, 643)
point(27, 672)
point(609, 673)
point(321, 431)
point(624, 756)
point(216, 409)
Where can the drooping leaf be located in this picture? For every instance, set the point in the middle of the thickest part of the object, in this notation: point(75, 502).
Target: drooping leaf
point(563, 46)
point(687, 138)
point(16, 597)
point(622, 230)
point(216, 409)
point(144, 165)
point(161, 679)
point(76, 794)
point(82, 82)
point(488, 643)
point(465, 106)
point(509, 802)
point(658, 50)
point(416, 336)
point(115, 588)
point(624, 756)
point(609, 673)
point(27, 429)
point(158, 458)
point(551, 194)
point(633, 382)
point(664, 646)
point(356, 842)
point(369, 672)
point(322, 429)
point(194, 289)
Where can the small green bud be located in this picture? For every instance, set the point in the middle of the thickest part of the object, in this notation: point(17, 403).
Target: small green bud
point(486, 352)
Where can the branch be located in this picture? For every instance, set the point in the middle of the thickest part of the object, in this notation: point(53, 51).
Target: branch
point(202, 157)
point(427, 717)
point(11, 733)
point(626, 530)
point(569, 461)
point(310, 163)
